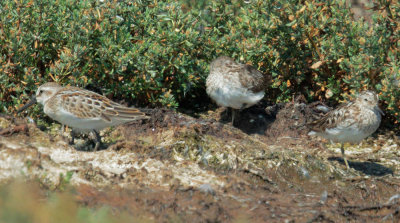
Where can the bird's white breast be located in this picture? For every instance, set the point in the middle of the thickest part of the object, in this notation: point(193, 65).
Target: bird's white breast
point(228, 92)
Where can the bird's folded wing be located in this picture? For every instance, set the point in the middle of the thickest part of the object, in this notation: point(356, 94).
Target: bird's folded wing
point(340, 117)
point(87, 105)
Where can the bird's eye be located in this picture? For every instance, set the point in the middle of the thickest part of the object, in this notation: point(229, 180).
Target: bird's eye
point(365, 99)
point(41, 91)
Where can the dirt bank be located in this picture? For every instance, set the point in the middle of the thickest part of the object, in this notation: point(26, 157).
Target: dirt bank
point(176, 167)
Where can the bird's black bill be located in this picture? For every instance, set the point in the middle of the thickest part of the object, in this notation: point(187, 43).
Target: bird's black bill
point(27, 105)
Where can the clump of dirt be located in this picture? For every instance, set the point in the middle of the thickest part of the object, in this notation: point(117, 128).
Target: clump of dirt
point(161, 119)
point(291, 120)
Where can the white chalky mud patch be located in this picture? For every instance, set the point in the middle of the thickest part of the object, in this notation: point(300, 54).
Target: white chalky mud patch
point(62, 158)
point(11, 165)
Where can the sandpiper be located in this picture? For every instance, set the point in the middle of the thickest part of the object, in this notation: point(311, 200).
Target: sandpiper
point(234, 85)
point(350, 122)
point(81, 109)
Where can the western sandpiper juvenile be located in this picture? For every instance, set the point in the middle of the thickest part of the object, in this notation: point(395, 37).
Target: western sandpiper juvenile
point(234, 85)
point(350, 122)
point(81, 109)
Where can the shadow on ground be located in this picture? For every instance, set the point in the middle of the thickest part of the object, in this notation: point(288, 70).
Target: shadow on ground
point(367, 168)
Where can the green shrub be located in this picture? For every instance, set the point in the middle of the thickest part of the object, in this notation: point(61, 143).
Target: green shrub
point(157, 52)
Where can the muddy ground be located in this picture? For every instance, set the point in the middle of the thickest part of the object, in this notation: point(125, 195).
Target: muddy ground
point(178, 168)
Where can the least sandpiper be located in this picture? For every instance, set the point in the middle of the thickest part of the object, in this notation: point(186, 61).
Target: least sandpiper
point(234, 85)
point(81, 109)
point(350, 122)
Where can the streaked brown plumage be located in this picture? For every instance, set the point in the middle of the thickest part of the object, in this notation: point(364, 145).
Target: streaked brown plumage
point(81, 109)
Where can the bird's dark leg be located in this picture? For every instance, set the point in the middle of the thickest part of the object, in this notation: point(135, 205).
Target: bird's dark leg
point(343, 155)
point(97, 140)
point(72, 133)
point(233, 112)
